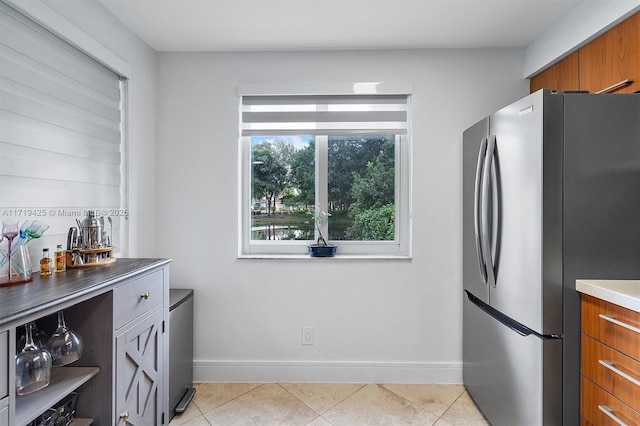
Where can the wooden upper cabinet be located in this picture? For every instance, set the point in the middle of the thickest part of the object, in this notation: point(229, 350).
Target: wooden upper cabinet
point(609, 59)
point(612, 58)
point(562, 76)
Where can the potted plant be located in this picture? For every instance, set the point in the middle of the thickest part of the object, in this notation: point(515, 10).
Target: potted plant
point(321, 248)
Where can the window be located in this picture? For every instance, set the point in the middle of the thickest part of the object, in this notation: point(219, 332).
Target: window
point(347, 155)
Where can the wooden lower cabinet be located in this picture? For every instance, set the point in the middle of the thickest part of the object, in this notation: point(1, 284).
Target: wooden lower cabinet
point(610, 364)
point(600, 408)
point(612, 370)
point(605, 322)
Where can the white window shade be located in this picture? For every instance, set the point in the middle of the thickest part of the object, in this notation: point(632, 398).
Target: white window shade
point(326, 114)
point(60, 126)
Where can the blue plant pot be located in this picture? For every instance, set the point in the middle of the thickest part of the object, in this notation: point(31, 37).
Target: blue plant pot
point(322, 251)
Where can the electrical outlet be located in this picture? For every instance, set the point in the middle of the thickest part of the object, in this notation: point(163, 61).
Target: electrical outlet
point(307, 335)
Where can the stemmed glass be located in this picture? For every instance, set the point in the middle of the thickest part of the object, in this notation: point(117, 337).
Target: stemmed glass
point(38, 336)
point(9, 231)
point(64, 344)
point(33, 366)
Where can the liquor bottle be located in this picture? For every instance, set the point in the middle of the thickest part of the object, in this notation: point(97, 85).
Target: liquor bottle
point(45, 263)
point(60, 259)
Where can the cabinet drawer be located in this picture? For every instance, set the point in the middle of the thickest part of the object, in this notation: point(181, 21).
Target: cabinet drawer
point(595, 401)
point(611, 324)
point(584, 422)
point(4, 364)
point(612, 371)
point(137, 297)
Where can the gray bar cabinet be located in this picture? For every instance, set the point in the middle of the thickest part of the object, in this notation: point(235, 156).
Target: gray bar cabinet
point(121, 311)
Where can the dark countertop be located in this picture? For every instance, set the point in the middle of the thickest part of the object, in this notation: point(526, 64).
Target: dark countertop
point(22, 300)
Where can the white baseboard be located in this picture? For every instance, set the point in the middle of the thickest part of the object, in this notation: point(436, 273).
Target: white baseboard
point(326, 372)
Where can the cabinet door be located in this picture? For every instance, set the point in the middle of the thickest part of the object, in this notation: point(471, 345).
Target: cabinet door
point(612, 58)
point(562, 77)
point(139, 372)
point(4, 364)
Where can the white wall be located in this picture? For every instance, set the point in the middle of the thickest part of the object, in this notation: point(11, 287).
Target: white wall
point(98, 24)
point(393, 321)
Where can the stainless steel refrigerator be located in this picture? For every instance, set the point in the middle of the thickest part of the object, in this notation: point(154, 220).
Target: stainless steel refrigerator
point(551, 187)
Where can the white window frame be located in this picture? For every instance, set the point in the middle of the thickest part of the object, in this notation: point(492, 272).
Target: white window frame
point(399, 248)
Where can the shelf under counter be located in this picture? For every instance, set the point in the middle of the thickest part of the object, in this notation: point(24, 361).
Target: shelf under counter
point(64, 380)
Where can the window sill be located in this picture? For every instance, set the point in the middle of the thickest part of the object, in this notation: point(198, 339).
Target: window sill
point(337, 257)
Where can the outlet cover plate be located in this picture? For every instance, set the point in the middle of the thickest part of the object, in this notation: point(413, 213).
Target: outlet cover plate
point(307, 335)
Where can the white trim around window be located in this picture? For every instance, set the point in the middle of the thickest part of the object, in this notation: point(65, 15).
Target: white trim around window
point(400, 247)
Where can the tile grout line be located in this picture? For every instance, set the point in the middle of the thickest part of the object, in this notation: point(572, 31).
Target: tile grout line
point(413, 403)
point(449, 407)
point(328, 409)
point(345, 398)
point(320, 415)
point(226, 402)
point(409, 401)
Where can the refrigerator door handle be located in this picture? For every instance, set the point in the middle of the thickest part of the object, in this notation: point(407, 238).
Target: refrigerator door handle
point(485, 216)
point(477, 208)
point(500, 317)
point(508, 322)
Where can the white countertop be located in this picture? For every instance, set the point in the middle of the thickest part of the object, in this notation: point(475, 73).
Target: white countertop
point(624, 293)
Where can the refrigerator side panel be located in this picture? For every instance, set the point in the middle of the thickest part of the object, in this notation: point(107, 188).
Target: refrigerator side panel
point(514, 379)
point(602, 208)
point(552, 216)
point(472, 141)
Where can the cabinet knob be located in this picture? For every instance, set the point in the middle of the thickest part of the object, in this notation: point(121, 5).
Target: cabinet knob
point(145, 295)
point(124, 416)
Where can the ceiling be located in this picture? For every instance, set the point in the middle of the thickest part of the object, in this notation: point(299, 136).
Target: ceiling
point(250, 25)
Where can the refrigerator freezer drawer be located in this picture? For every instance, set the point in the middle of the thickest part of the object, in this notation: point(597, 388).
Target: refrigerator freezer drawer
point(514, 379)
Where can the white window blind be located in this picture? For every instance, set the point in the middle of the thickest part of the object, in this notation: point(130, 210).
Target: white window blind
point(60, 132)
point(324, 114)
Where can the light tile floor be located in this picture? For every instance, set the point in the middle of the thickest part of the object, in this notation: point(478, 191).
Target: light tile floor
point(320, 404)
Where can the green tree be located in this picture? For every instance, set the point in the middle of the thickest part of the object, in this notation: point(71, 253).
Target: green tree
point(269, 177)
point(373, 189)
point(284, 153)
point(374, 224)
point(303, 174)
point(349, 155)
point(373, 207)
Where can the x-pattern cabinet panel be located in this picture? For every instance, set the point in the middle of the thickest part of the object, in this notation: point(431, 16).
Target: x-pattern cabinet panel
point(139, 378)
